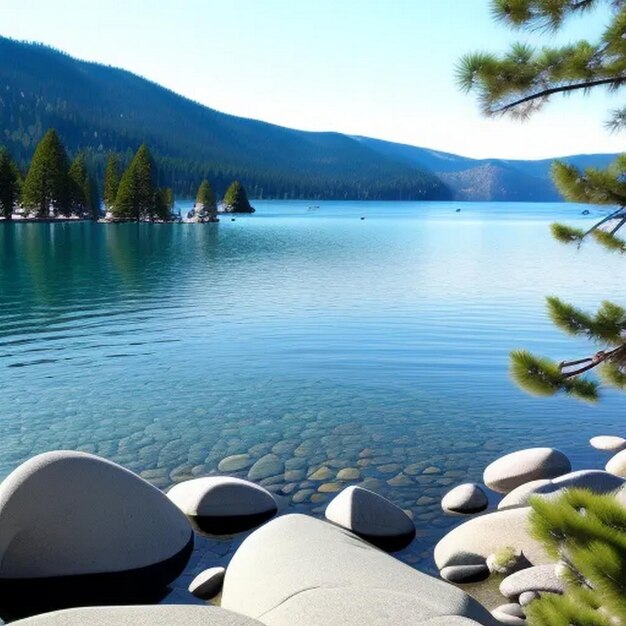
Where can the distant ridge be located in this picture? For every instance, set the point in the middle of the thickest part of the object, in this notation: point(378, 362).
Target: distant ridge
point(100, 108)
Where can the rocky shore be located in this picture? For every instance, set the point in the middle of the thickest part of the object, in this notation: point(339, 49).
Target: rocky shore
point(76, 529)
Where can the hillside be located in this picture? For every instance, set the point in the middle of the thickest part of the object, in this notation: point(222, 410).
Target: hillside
point(104, 109)
point(486, 179)
point(100, 108)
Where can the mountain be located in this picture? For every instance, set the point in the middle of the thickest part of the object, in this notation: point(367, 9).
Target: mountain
point(104, 108)
point(486, 179)
point(100, 109)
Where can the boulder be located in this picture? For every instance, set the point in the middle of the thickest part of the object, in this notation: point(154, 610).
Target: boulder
point(223, 504)
point(610, 443)
point(472, 542)
point(538, 578)
point(593, 480)
point(300, 570)
point(234, 463)
point(517, 468)
point(163, 615)
point(371, 517)
point(461, 574)
point(617, 464)
point(510, 614)
point(84, 527)
point(208, 583)
point(465, 499)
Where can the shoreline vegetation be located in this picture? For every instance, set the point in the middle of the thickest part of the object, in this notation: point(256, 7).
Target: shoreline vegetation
point(54, 189)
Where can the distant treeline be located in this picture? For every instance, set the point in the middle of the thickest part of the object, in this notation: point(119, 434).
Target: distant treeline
point(100, 109)
point(52, 186)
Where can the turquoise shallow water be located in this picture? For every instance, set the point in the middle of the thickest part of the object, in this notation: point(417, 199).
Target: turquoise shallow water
point(327, 340)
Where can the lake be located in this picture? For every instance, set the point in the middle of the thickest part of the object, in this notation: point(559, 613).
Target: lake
point(303, 331)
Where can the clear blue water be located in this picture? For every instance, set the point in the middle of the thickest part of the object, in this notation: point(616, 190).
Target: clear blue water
point(377, 344)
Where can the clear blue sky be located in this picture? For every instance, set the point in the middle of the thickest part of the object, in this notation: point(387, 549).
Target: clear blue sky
point(382, 68)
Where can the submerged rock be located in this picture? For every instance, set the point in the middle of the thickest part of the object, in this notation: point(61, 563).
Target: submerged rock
point(266, 466)
point(517, 468)
point(234, 463)
point(223, 504)
point(465, 499)
point(372, 517)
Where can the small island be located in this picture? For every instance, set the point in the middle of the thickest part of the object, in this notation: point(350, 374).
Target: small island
point(53, 188)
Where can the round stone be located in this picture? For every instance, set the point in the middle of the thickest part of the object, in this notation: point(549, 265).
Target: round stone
point(461, 574)
point(610, 443)
point(349, 473)
point(266, 466)
point(617, 464)
point(208, 583)
point(371, 517)
point(537, 578)
point(517, 468)
point(234, 463)
point(223, 504)
point(509, 614)
point(526, 597)
point(465, 499)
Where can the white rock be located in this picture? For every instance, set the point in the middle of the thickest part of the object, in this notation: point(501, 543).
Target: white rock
point(526, 597)
point(517, 468)
point(300, 570)
point(465, 499)
point(70, 513)
point(539, 578)
point(510, 614)
point(223, 504)
point(611, 443)
point(208, 583)
point(160, 615)
point(593, 480)
point(472, 542)
point(617, 464)
point(372, 517)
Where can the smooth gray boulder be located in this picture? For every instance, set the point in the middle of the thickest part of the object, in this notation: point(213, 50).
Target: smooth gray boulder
point(300, 570)
point(517, 468)
point(538, 578)
point(371, 517)
point(465, 499)
point(462, 574)
point(510, 614)
point(617, 464)
point(593, 480)
point(473, 541)
point(609, 443)
point(208, 584)
point(162, 615)
point(223, 504)
point(87, 527)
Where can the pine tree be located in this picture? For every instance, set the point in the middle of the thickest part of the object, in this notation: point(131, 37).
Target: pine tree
point(47, 184)
point(206, 207)
point(236, 199)
point(586, 533)
point(518, 84)
point(135, 197)
point(111, 180)
point(9, 185)
point(78, 185)
point(163, 203)
point(93, 198)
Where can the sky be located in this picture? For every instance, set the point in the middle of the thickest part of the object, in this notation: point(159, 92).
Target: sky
point(380, 68)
